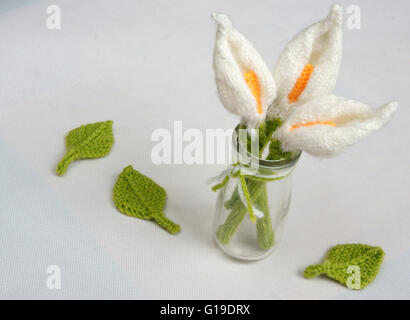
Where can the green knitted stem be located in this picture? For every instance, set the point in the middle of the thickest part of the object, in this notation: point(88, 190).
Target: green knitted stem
point(257, 191)
point(232, 222)
point(65, 162)
point(247, 197)
point(222, 184)
point(167, 224)
point(314, 271)
point(264, 225)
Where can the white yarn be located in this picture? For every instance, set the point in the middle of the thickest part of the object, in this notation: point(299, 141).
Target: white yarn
point(354, 120)
point(319, 45)
point(234, 55)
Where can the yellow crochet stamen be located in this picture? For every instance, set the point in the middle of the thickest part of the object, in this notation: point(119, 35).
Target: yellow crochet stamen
point(301, 83)
point(311, 124)
point(253, 83)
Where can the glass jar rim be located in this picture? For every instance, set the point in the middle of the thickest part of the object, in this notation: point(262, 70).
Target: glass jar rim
point(254, 160)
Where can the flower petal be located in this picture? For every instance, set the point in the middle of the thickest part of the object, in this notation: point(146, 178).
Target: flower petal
point(325, 126)
point(309, 65)
point(245, 84)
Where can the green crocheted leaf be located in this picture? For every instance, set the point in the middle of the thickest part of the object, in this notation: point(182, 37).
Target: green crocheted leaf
point(88, 141)
point(138, 196)
point(353, 265)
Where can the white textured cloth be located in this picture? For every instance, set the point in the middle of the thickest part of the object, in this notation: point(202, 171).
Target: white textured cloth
point(121, 64)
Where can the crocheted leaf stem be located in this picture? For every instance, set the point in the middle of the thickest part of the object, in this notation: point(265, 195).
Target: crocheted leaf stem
point(353, 265)
point(88, 141)
point(257, 192)
point(138, 196)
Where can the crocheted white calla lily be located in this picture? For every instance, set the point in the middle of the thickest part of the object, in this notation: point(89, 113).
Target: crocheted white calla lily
point(245, 84)
point(314, 120)
point(309, 65)
point(327, 125)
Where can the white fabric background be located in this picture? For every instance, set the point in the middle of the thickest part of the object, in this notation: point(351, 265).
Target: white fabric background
point(144, 64)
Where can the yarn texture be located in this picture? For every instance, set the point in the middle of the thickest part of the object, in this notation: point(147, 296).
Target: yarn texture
point(327, 125)
point(138, 196)
point(309, 64)
point(88, 141)
point(250, 195)
point(290, 110)
point(245, 84)
point(299, 92)
point(345, 259)
point(257, 196)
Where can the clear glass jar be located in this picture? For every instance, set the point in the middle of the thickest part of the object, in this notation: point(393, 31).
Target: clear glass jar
point(269, 186)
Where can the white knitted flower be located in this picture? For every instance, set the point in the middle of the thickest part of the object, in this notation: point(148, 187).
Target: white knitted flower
point(327, 125)
point(245, 84)
point(314, 120)
point(309, 65)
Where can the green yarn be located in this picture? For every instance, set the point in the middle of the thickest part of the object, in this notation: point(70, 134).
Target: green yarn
point(258, 195)
point(340, 259)
point(264, 228)
point(270, 127)
point(222, 184)
point(88, 141)
point(247, 197)
point(276, 152)
point(254, 190)
point(138, 196)
point(265, 131)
